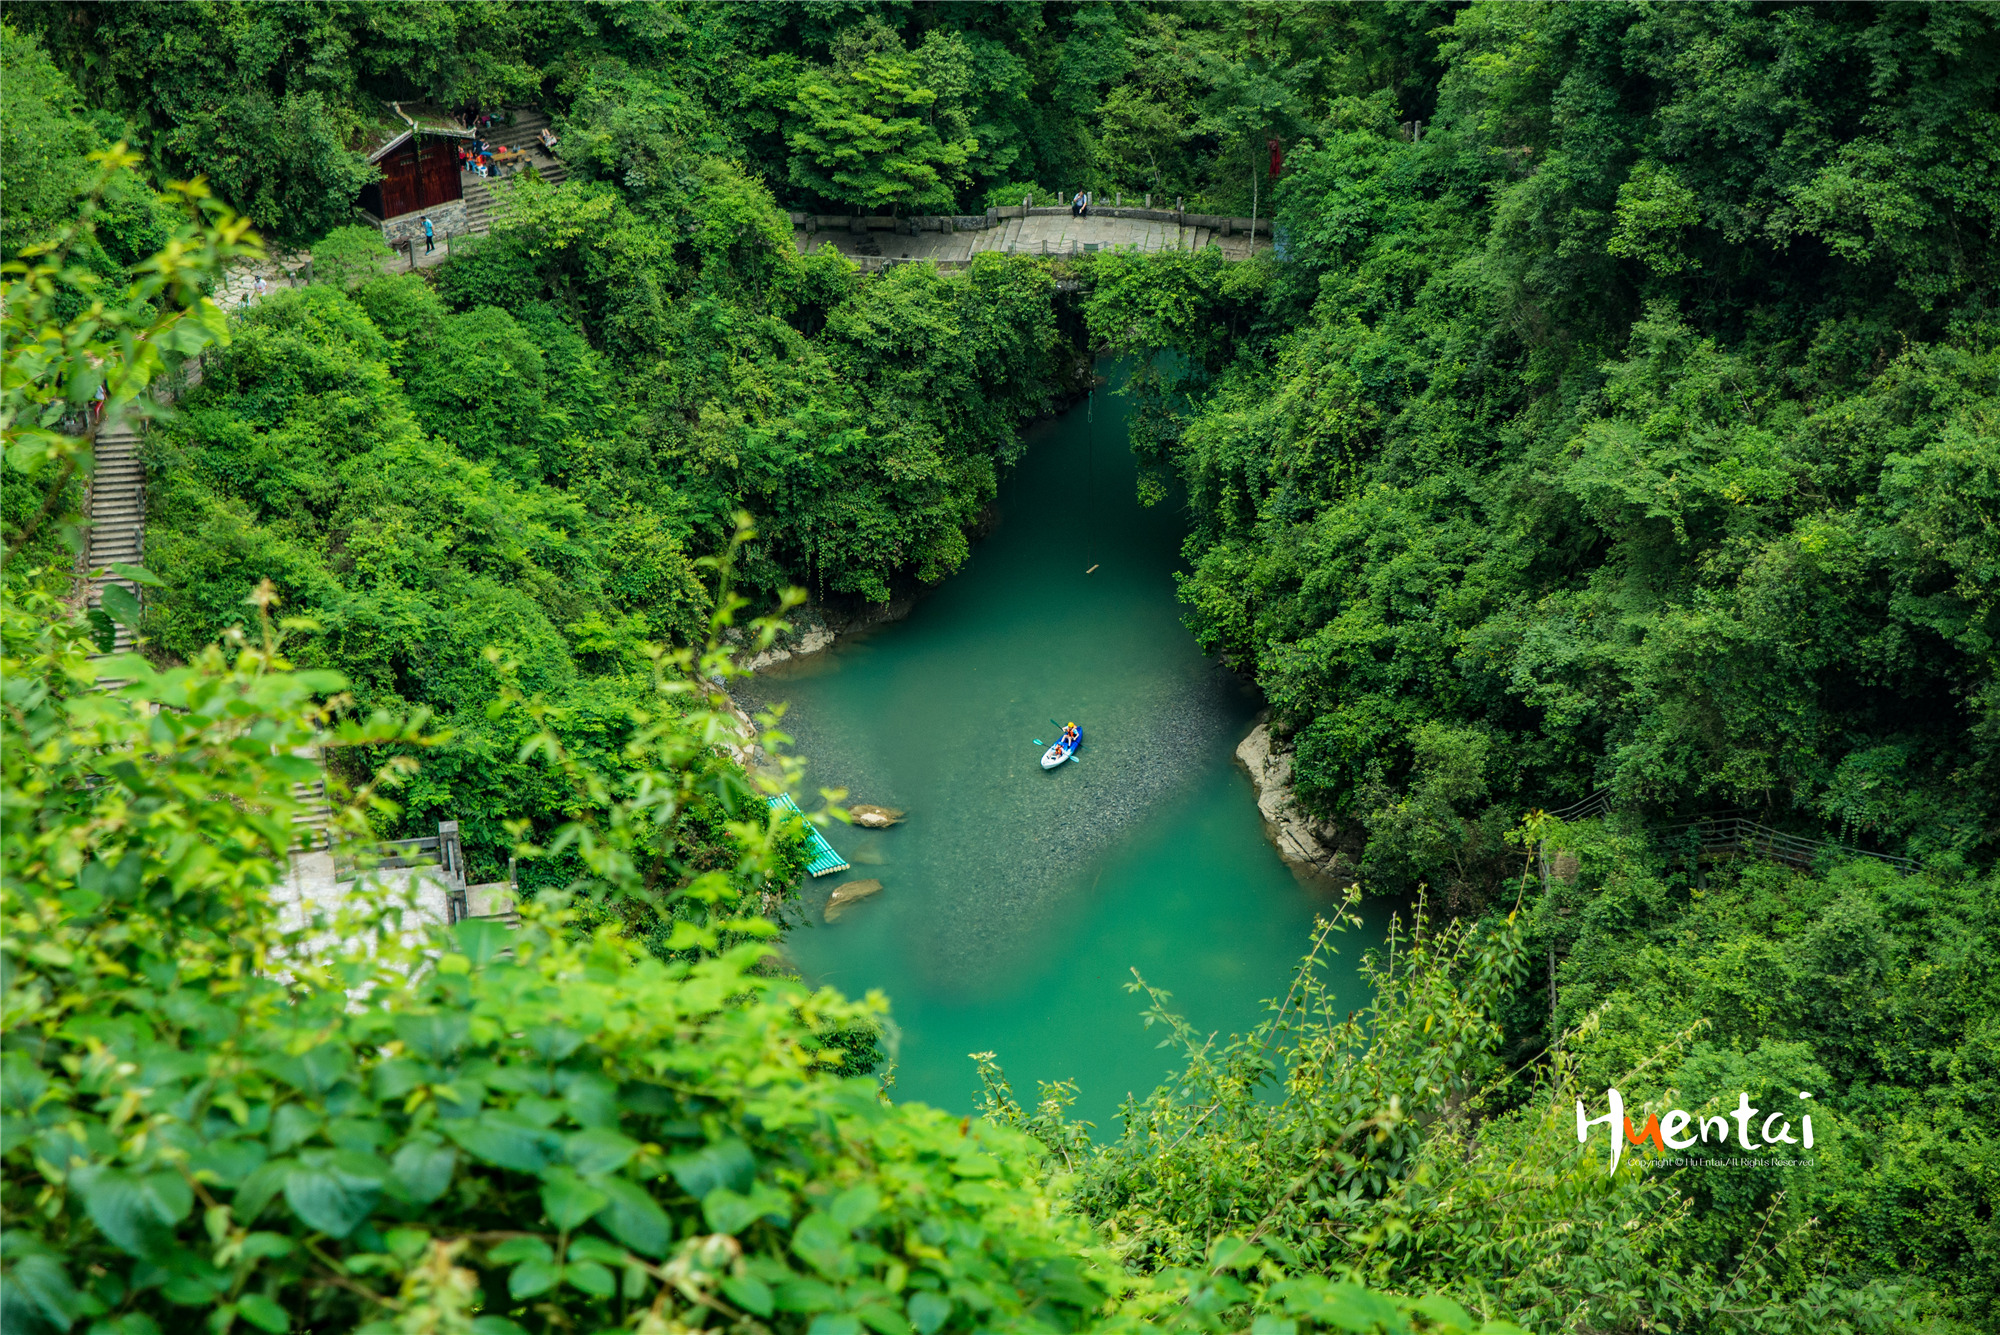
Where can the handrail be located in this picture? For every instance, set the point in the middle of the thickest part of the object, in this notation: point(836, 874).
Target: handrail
point(1738, 833)
point(1735, 833)
point(1597, 804)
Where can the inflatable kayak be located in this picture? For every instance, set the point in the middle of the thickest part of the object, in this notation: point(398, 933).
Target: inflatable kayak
point(1065, 747)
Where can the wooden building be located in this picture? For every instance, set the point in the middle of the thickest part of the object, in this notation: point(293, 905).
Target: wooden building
point(419, 163)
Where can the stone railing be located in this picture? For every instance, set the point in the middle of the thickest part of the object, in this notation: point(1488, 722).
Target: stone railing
point(911, 226)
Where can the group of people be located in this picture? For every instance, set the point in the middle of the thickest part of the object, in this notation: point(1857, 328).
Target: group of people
point(477, 159)
point(1079, 205)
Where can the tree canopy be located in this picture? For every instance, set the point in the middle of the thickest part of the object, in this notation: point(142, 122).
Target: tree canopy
point(1613, 424)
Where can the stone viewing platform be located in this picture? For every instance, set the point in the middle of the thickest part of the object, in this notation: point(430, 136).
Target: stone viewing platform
point(875, 242)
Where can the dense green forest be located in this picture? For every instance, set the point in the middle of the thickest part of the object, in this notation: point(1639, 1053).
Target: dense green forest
point(1618, 412)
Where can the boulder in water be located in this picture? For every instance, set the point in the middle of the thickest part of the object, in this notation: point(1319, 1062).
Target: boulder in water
point(848, 894)
point(874, 818)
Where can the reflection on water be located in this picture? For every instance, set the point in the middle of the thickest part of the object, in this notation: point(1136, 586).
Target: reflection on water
point(1016, 901)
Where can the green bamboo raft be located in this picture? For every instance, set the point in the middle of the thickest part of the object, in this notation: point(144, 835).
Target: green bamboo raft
point(824, 860)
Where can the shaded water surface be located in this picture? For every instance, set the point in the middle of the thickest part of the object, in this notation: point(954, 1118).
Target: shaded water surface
point(1016, 903)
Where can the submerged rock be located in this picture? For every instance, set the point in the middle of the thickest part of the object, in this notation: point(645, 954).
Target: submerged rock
point(1300, 839)
point(848, 894)
point(874, 818)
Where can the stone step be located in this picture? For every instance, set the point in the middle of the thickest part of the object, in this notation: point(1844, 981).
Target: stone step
point(525, 130)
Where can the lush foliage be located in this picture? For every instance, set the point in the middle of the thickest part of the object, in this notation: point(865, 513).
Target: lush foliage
point(1593, 441)
point(539, 459)
point(1631, 429)
point(219, 1110)
point(1615, 413)
point(1408, 1145)
point(892, 107)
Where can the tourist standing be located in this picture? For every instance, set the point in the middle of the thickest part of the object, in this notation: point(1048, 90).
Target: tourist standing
point(430, 235)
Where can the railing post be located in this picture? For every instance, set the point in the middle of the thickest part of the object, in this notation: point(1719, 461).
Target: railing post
point(451, 861)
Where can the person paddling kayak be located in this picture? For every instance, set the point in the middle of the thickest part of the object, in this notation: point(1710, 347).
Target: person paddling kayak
point(1065, 747)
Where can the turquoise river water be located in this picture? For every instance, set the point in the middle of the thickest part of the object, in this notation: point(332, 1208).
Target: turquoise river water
point(1017, 902)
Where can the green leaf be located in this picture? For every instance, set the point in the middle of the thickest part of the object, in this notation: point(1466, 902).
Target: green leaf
point(588, 1247)
point(227, 1161)
point(748, 1292)
point(292, 1125)
point(264, 1314)
point(103, 630)
point(120, 605)
point(1233, 1253)
point(481, 941)
point(192, 1290)
point(1267, 1324)
point(259, 1188)
point(592, 1278)
point(928, 1310)
point(726, 1163)
point(495, 1325)
point(883, 1320)
point(1441, 1311)
point(823, 1245)
point(633, 1217)
point(599, 1151)
point(727, 1211)
point(1352, 1307)
point(521, 1249)
point(136, 1212)
point(805, 1295)
point(504, 1139)
point(261, 1246)
point(731, 1212)
point(532, 1277)
point(569, 1200)
point(43, 1281)
point(333, 1191)
point(834, 1323)
point(436, 1037)
point(855, 1206)
point(421, 1171)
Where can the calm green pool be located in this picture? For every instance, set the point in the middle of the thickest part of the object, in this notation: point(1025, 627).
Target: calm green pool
point(1017, 902)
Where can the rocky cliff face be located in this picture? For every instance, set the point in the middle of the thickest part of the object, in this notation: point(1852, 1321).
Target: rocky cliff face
point(1301, 840)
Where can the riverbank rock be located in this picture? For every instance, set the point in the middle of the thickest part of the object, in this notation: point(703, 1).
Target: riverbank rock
point(874, 818)
point(847, 895)
point(809, 633)
point(1301, 840)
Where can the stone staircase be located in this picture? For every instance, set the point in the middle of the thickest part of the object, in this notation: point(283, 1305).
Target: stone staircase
point(117, 515)
point(117, 507)
point(312, 822)
point(524, 134)
point(478, 207)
